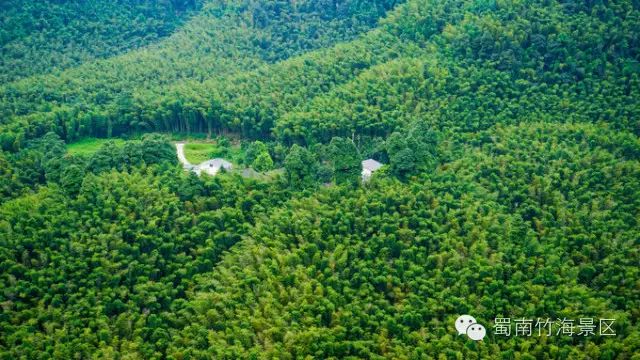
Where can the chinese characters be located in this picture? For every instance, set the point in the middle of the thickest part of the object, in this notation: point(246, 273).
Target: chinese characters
point(549, 327)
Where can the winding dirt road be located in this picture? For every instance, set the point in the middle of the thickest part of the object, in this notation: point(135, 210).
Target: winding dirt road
point(182, 157)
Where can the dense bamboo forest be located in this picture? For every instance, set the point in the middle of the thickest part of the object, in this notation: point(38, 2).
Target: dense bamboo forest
point(507, 185)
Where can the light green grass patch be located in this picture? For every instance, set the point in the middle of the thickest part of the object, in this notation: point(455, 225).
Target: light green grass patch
point(88, 146)
point(266, 176)
point(197, 152)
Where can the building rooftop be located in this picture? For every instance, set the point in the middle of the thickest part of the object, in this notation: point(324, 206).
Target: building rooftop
point(371, 165)
point(212, 166)
point(215, 163)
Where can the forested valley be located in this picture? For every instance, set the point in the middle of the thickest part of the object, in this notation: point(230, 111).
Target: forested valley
point(508, 132)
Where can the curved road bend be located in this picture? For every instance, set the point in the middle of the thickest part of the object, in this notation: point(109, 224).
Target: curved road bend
point(181, 157)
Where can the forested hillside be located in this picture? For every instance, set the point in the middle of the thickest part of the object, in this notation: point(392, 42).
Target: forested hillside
point(110, 97)
point(43, 36)
point(510, 188)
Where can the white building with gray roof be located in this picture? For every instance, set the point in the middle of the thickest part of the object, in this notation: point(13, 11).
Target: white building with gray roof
point(213, 166)
point(369, 166)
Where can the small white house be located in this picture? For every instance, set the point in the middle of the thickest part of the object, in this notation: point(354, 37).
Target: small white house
point(369, 166)
point(212, 166)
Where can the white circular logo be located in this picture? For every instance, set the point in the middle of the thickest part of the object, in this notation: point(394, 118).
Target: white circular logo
point(463, 322)
point(467, 324)
point(476, 332)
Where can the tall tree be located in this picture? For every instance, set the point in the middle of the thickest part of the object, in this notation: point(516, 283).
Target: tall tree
point(346, 160)
point(300, 166)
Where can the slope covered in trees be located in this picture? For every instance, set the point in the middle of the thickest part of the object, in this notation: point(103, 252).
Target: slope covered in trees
point(511, 188)
point(534, 222)
point(44, 36)
point(122, 94)
point(537, 71)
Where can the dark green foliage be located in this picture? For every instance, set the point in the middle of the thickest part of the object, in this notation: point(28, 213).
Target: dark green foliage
point(253, 151)
point(45, 161)
point(412, 150)
point(120, 256)
point(345, 159)
point(152, 149)
point(42, 36)
point(8, 182)
point(107, 158)
point(156, 149)
point(71, 179)
point(301, 167)
point(344, 273)
point(176, 85)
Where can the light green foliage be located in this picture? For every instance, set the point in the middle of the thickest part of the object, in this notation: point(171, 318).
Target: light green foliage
point(258, 157)
point(199, 152)
point(88, 146)
point(263, 162)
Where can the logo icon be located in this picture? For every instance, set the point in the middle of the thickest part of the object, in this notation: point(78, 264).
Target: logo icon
point(463, 322)
point(467, 324)
point(476, 332)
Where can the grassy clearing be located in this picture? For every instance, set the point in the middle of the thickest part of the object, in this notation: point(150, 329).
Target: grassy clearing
point(197, 152)
point(88, 146)
point(266, 176)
